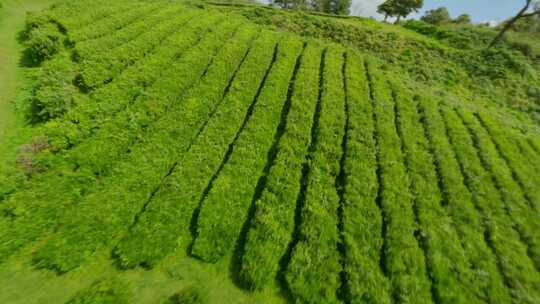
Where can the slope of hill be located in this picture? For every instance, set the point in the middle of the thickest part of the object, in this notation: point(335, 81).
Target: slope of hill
point(240, 154)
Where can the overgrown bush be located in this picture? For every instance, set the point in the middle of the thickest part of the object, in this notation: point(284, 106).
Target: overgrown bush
point(54, 91)
point(43, 38)
point(193, 294)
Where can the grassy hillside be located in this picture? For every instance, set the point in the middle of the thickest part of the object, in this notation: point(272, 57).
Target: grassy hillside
point(240, 154)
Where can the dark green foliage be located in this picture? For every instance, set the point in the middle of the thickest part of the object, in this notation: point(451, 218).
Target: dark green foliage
point(336, 7)
point(107, 291)
point(463, 19)
point(399, 8)
point(193, 294)
point(43, 38)
point(54, 92)
point(437, 16)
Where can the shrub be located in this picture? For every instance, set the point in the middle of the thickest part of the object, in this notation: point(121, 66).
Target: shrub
point(43, 38)
point(193, 294)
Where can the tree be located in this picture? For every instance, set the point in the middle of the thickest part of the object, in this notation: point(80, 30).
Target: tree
point(399, 8)
point(528, 25)
point(337, 7)
point(388, 9)
point(341, 7)
point(463, 19)
point(531, 9)
point(437, 16)
point(291, 4)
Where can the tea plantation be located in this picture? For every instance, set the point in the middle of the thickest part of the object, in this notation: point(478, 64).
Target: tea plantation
point(191, 151)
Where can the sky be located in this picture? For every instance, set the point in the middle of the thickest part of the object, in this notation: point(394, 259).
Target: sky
point(480, 10)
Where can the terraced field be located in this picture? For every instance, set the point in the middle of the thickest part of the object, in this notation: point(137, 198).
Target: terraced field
point(309, 170)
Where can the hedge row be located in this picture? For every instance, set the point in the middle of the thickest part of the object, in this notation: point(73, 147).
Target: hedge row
point(98, 67)
point(40, 207)
point(72, 16)
point(90, 49)
point(164, 225)
point(313, 272)
point(528, 153)
point(522, 170)
point(102, 217)
point(272, 225)
point(115, 22)
point(226, 206)
point(403, 260)
point(104, 103)
point(458, 202)
point(362, 217)
point(518, 269)
point(535, 143)
point(452, 275)
point(522, 216)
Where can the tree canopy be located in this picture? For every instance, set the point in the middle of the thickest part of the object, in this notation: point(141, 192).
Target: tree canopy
point(531, 9)
point(338, 7)
point(399, 8)
point(463, 19)
point(437, 16)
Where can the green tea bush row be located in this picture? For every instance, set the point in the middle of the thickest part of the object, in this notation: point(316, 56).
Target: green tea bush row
point(452, 275)
point(362, 218)
point(90, 49)
point(72, 16)
point(518, 269)
point(403, 260)
point(105, 215)
point(99, 68)
point(535, 143)
point(120, 19)
point(273, 221)
point(458, 203)
point(164, 225)
point(528, 153)
point(41, 206)
point(523, 217)
point(225, 208)
point(313, 272)
point(523, 172)
point(92, 113)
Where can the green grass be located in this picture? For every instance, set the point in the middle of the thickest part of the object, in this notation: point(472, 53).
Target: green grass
point(12, 75)
point(215, 153)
